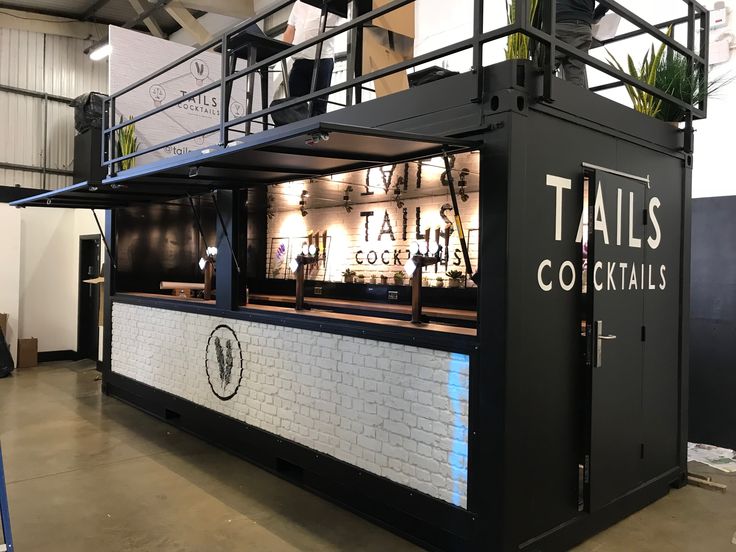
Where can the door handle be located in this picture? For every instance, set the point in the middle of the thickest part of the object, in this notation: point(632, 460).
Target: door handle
point(599, 339)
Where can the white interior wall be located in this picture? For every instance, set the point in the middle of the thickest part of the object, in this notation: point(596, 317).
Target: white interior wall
point(40, 290)
point(48, 278)
point(10, 273)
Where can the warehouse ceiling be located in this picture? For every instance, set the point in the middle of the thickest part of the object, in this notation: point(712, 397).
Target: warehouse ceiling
point(158, 17)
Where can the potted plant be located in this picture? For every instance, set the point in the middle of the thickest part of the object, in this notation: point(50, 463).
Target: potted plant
point(517, 45)
point(127, 144)
point(643, 102)
point(348, 276)
point(675, 77)
point(440, 282)
point(373, 278)
point(361, 278)
point(399, 278)
point(384, 280)
point(455, 278)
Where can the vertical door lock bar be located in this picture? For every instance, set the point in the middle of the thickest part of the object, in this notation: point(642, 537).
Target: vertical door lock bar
point(599, 339)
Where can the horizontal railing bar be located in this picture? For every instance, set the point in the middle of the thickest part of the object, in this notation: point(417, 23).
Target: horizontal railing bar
point(151, 149)
point(386, 8)
point(521, 26)
point(653, 31)
point(431, 56)
point(163, 107)
point(608, 86)
point(610, 70)
point(639, 32)
point(255, 19)
point(264, 63)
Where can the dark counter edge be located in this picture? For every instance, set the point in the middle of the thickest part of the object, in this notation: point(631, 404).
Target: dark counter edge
point(415, 337)
point(428, 522)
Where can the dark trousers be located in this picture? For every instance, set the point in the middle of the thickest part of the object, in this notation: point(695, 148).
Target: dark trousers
point(300, 80)
point(579, 35)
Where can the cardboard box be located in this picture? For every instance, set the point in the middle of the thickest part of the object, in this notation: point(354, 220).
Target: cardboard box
point(27, 353)
point(400, 21)
point(4, 324)
point(378, 54)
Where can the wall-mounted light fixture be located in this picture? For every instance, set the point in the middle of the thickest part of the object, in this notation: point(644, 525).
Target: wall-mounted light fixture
point(303, 203)
point(207, 265)
point(347, 202)
point(99, 50)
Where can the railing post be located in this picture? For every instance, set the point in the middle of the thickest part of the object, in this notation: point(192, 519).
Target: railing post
point(689, 131)
point(224, 89)
point(105, 151)
point(478, 48)
point(705, 53)
point(113, 146)
point(549, 67)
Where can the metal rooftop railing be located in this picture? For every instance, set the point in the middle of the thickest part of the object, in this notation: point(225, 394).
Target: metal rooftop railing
point(541, 30)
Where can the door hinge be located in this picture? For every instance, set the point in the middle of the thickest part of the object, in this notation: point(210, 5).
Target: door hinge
point(643, 333)
point(586, 469)
point(645, 218)
point(642, 451)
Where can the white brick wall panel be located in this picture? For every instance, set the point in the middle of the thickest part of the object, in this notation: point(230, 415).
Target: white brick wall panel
point(397, 411)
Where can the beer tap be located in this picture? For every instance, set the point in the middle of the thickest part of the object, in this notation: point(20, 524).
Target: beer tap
point(309, 255)
point(421, 257)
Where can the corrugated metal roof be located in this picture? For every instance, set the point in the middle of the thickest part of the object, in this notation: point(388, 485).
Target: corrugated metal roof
point(117, 12)
point(65, 71)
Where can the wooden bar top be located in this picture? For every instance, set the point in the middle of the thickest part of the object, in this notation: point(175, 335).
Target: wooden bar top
point(169, 297)
point(433, 327)
point(453, 314)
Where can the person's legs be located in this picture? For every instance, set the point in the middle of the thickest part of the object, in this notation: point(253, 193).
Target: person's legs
point(580, 36)
point(324, 79)
point(300, 78)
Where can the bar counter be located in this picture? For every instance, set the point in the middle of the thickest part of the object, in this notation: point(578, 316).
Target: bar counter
point(432, 334)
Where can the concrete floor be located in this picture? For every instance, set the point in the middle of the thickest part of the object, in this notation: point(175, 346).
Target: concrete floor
point(89, 473)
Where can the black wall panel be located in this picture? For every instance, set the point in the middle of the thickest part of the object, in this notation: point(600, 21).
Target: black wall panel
point(161, 242)
point(713, 322)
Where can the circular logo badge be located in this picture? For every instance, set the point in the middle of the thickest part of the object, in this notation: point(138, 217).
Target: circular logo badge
point(224, 362)
point(199, 69)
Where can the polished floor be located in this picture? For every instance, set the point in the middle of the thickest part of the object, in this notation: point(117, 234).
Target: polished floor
point(88, 473)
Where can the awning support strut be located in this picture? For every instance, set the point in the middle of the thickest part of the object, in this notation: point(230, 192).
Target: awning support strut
point(104, 240)
point(198, 220)
point(458, 220)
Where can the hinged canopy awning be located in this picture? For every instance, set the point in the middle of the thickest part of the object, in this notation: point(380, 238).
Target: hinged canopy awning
point(295, 152)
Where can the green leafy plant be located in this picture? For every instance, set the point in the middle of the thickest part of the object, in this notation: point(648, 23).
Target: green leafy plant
point(127, 144)
point(400, 275)
point(517, 45)
point(455, 275)
point(348, 273)
point(675, 77)
point(643, 102)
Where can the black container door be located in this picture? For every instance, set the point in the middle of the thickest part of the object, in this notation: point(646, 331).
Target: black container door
point(614, 300)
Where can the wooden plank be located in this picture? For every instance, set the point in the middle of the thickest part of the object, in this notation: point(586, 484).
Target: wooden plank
point(704, 484)
point(188, 22)
point(149, 22)
point(456, 314)
point(242, 9)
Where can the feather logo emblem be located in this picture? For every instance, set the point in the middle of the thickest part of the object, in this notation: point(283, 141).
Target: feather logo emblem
point(224, 362)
